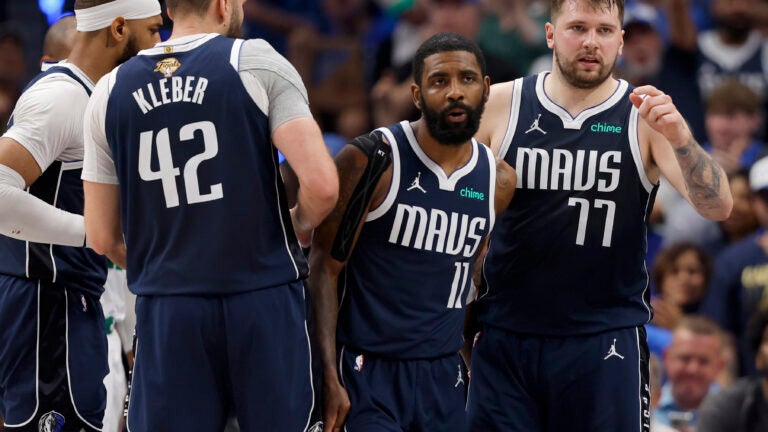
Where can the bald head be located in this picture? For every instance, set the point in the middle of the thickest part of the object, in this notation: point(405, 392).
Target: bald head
point(59, 39)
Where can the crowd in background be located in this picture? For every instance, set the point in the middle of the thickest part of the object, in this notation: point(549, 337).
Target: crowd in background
point(709, 280)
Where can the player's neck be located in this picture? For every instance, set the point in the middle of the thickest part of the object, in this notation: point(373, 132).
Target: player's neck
point(193, 25)
point(574, 99)
point(449, 157)
point(90, 56)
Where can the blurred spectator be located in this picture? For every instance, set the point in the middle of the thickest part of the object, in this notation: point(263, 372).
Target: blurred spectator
point(732, 120)
point(735, 48)
point(514, 29)
point(331, 64)
point(655, 367)
point(12, 72)
point(641, 57)
point(681, 274)
point(12, 67)
point(743, 406)
point(742, 221)
point(691, 362)
point(740, 282)
point(275, 20)
point(646, 59)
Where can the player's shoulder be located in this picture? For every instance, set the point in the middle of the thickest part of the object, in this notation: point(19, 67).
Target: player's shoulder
point(54, 92)
point(59, 84)
point(259, 54)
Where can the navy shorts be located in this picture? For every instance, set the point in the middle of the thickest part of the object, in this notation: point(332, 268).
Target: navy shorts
point(588, 383)
point(198, 359)
point(53, 357)
point(404, 395)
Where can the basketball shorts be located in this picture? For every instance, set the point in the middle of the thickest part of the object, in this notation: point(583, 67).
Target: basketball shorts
point(198, 359)
point(587, 383)
point(53, 357)
point(391, 395)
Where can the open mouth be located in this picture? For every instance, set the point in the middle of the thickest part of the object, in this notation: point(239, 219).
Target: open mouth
point(457, 115)
point(589, 60)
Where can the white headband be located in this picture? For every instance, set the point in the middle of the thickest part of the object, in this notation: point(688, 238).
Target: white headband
point(101, 16)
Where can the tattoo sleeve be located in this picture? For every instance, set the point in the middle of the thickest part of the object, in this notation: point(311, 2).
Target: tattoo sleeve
point(703, 176)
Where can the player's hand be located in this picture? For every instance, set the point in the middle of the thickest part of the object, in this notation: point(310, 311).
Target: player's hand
point(336, 405)
point(657, 109)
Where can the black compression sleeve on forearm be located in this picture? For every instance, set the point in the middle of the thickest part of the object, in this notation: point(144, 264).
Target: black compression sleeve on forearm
point(379, 158)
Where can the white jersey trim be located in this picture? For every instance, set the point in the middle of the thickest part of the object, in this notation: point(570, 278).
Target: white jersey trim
point(182, 44)
point(445, 182)
point(234, 54)
point(728, 57)
point(570, 122)
point(514, 116)
point(491, 188)
point(309, 366)
point(634, 145)
point(394, 184)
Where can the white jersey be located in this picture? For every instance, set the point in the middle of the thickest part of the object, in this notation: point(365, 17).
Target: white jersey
point(48, 129)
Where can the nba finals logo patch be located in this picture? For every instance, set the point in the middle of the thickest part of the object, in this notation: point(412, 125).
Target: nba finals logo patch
point(359, 362)
point(51, 422)
point(167, 66)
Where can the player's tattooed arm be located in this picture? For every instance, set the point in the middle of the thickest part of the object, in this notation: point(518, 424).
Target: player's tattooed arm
point(323, 283)
point(676, 155)
point(703, 176)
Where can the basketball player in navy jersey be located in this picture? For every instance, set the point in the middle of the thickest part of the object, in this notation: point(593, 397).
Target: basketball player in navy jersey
point(53, 352)
point(407, 281)
point(563, 345)
point(181, 162)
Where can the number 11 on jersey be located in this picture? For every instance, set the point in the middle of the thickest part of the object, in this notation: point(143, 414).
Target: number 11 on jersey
point(459, 282)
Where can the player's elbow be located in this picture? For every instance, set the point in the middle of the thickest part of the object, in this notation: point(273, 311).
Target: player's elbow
point(719, 212)
point(723, 212)
point(100, 244)
point(325, 189)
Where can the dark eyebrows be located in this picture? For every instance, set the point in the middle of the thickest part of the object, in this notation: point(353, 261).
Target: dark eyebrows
point(463, 72)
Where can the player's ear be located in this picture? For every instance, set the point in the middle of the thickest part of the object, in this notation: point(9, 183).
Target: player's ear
point(118, 30)
point(416, 95)
point(549, 31)
point(486, 88)
point(221, 10)
point(621, 46)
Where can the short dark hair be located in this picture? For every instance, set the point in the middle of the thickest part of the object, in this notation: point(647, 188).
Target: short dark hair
point(195, 7)
point(756, 328)
point(556, 6)
point(665, 261)
point(85, 4)
point(444, 42)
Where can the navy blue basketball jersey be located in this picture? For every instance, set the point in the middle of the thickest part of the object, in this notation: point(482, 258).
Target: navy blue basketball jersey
point(60, 186)
point(407, 280)
point(747, 63)
point(201, 199)
point(568, 255)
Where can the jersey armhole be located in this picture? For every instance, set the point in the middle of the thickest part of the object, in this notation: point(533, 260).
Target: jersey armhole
point(394, 183)
point(234, 54)
point(514, 114)
point(634, 146)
